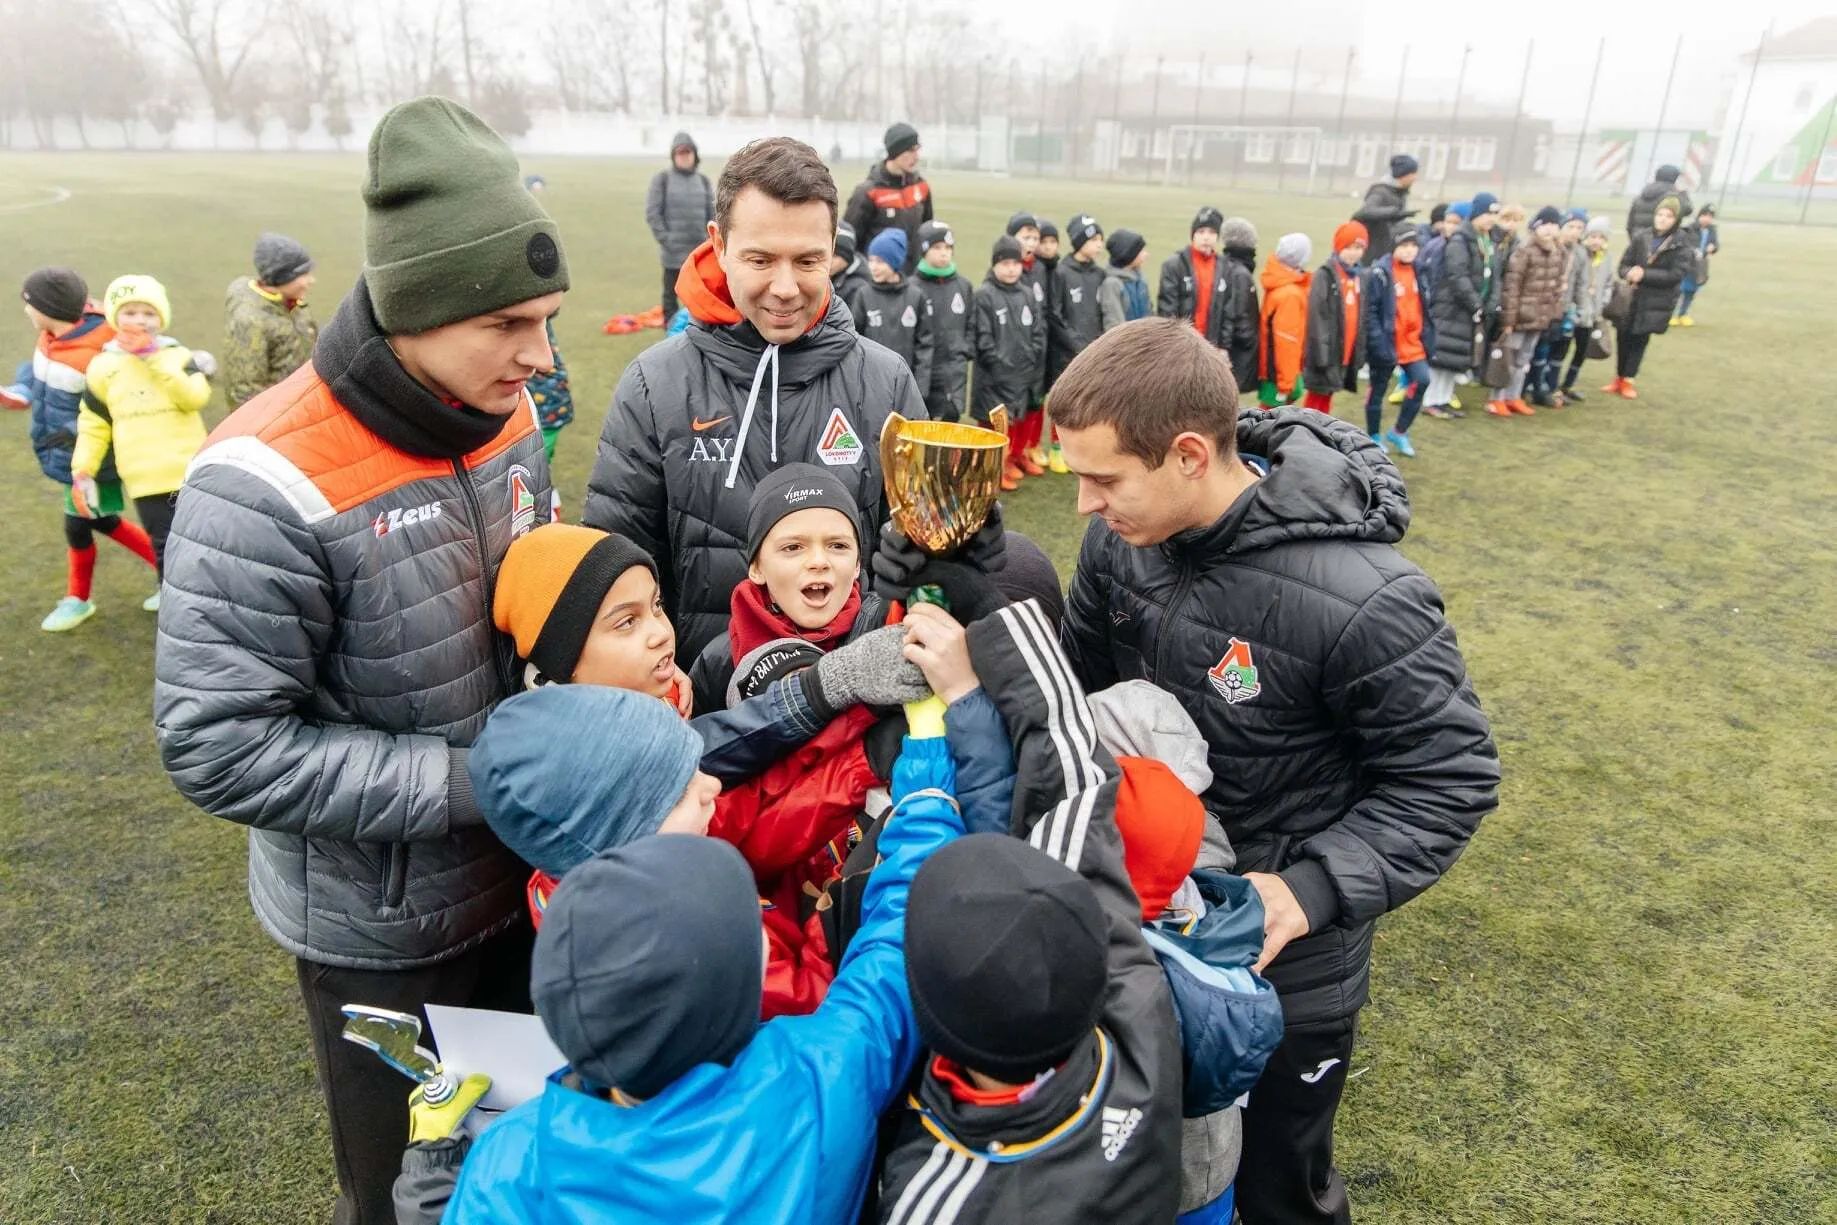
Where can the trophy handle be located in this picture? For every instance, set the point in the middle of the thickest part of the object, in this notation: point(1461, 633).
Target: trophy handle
point(998, 418)
point(889, 442)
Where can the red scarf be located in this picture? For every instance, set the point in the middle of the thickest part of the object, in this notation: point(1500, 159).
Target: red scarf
point(757, 621)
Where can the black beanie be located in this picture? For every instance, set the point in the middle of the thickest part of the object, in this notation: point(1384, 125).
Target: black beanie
point(790, 489)
point(1006, 247)
point(900, 137)
point(1048, 229)
point(1029, 575)
point(1549, 214)
point(1021, 221)
point(845, 240)
point(1124, 245)
point(1438, 214)
point(1080, 230)
point(58, 293)
point(647, 963)
point(1207, 218)
point(1005, 956)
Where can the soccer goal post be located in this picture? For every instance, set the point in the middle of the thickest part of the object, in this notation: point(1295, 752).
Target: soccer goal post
point(1273, 147)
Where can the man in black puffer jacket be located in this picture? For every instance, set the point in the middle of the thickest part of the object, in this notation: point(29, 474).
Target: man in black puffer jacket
point(894, 196)
point(770, 372)
point(1351, 760)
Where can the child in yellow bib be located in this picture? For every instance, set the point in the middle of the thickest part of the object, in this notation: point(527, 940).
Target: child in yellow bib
point(144, 396)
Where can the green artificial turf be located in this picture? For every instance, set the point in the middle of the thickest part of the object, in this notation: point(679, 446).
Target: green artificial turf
point(1617, 1008)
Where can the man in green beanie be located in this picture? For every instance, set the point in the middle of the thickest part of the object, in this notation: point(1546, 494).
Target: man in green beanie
point(325, 652)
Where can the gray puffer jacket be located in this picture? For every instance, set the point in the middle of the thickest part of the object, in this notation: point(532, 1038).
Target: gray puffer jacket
point(698, 419)
point(678, 207)
point(326, 654)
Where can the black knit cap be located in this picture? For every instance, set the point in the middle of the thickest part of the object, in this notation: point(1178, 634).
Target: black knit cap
point(1004, 957)
point(1080, 230)
point(900, 137)
point(1124, 245)
point(1006, 247)
point(1048, 229)
point(790, 489)
point(1208, 218)
point(845, 240)
point(58, 293)
point(564, 633)
point(1021, 221)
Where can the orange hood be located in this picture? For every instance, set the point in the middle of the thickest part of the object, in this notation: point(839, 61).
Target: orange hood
point(1276, 274)
point(702, 287)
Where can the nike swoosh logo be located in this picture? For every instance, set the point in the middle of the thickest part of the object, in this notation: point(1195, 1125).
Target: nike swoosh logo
point(698, 425)
point(1313, 1078)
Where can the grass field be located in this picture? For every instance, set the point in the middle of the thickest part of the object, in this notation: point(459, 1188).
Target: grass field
point(1617, 1008)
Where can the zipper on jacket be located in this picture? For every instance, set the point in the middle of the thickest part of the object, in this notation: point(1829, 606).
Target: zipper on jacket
point(1181, 590)
point(477, 515)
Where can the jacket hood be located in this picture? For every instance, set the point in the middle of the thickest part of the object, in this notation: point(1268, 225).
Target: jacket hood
point(1327, 480)
point(1246, 256)
point(1277, 274)
point(680, 140)
point(354, 359)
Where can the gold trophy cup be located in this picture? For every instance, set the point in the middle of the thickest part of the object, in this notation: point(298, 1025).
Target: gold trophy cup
point(942, 478)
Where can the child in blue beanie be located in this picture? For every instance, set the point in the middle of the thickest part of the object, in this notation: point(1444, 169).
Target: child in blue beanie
point(889, 308)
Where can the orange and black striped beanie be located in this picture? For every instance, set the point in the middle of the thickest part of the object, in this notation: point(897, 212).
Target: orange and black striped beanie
point(550, 587)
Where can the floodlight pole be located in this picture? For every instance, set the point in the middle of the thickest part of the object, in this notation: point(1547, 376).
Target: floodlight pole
point(1243, 109)
point(1511, 148)
point(1199, 94)
point(1588, 111)
point(1154, 125)
point(1294, 84)
point(1454, 120)
point(1746, 97)
point(1339, 124)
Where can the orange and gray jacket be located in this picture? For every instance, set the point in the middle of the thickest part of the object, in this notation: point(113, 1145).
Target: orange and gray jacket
point(326, 653)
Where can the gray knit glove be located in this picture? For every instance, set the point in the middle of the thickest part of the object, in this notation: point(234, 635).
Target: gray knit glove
point(870, 671)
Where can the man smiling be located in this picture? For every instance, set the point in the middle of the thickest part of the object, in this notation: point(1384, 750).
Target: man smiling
point(326, 654)
point(770, 372)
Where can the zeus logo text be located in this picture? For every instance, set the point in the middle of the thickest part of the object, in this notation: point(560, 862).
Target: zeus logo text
point(394, 520)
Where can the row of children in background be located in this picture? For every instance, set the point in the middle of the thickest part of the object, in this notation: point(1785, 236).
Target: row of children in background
point(1470, 294)
point(1141, 922)
point(115, 407)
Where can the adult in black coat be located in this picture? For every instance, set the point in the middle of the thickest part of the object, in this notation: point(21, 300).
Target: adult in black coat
point(1656, 262)
point(1664, 183)
point(1351, 759)
point(1387, 206)
point(893, 196)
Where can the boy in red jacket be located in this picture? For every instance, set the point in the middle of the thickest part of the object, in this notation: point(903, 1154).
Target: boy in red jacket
point(583, 607)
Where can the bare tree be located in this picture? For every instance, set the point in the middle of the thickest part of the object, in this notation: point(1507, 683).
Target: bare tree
point(763, 57)
point(596, 50)
point(213, 42)
point(811, 21)
point(707, 19)
point(663, 54)
point(323, 41)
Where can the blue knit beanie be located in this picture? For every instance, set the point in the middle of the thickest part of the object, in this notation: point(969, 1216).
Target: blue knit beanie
point(565, 772)
point(1485, 202)
point(889, 245)
point(1461, 209)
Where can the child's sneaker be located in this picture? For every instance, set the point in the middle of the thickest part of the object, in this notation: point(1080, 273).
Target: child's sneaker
point(1613, 388)
point(1402, 442)
point(1030, 466)
point(1498, 408)
point(1626, 390)
point(1381, 444)
point(150, 604)
point(1055, 461)
point(1395, 397)
point(14, 398)
point(1521, 408)
point(1572, 395)
point(69, 613)
point(1011, 477)
point(1454, 402)
point(1685, 321)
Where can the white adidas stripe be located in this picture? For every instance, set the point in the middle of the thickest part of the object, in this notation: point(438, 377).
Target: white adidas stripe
point(903, 1209)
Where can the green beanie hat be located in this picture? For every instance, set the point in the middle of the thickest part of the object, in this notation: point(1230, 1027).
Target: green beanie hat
point(450, 232)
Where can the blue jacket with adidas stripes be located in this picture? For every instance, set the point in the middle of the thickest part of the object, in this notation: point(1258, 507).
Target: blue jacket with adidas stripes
point(786, 1132)
point(1100, 1140)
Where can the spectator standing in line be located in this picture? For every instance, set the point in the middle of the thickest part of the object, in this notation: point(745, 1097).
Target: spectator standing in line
point(893, 196)
point(678, 208)
point(1387, 207)
point(271, 332)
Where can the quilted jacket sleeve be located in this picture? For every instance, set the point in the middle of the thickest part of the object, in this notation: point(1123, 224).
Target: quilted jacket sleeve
point(245, 616)
point(1084, 631)
point(625, 492)
point(1398, 688)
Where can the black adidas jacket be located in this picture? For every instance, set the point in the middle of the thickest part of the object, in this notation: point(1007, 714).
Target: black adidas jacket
point(1348, 751)
point(896, 315)
point(951, 349)
point(1075, 318)
point(1007, 346)
point(1100, 1140)
point(1177, 296)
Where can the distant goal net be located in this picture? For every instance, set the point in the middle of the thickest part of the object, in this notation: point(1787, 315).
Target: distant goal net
point(1266, 148)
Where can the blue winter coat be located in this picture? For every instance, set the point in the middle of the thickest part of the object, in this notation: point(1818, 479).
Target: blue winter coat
point(786, 1133)
point(55, 389)
point(1230, 1018)
point(1378, 312)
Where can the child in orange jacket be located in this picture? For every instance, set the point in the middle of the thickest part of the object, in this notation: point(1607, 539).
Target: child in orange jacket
point(1285, 320)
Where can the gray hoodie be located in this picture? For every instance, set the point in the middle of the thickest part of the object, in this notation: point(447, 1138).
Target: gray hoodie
point(679, 206)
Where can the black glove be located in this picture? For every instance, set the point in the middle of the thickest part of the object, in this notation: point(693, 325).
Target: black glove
point(882, 744)
point(972, 595)
point(897, 559)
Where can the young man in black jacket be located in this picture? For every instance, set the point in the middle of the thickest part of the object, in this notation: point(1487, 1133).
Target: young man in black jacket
point(1351, 760)
point(947, 296)
point(1194, 285)
point(894, 196)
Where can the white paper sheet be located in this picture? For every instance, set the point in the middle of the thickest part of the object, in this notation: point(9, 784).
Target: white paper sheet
point(511, 1048)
